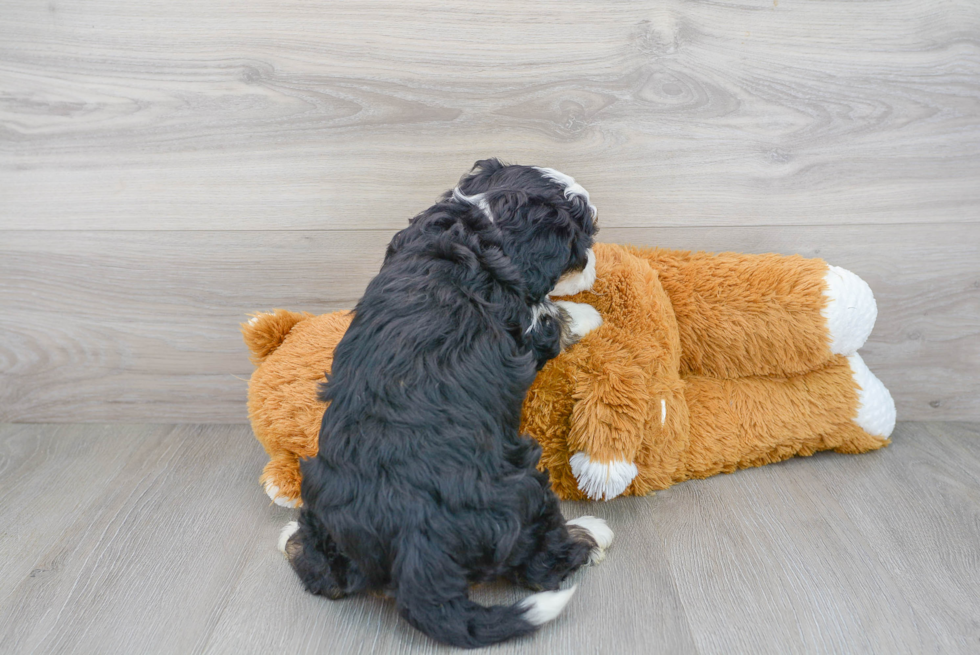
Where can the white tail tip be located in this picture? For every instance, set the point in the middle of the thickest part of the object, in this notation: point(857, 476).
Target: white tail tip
point(288, 531)
point(546, 606)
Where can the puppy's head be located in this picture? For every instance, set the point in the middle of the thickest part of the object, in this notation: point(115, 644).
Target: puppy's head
point(546, 221)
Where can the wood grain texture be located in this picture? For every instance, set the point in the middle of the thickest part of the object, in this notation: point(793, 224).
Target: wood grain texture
point(930, 512)
point(166, 168)
point(834, 572)
point(214, 115)
point(117, 326)
point(136, 538)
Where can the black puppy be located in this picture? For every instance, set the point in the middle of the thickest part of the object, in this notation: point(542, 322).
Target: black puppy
point(422, 485)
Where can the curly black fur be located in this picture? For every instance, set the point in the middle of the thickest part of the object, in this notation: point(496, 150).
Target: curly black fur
point(423, 485)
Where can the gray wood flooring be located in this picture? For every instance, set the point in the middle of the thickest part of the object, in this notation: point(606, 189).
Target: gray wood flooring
point(157, 539)
point(166, 168)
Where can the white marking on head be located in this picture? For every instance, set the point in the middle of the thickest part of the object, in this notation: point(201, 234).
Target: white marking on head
point(572, 188)
point(545, 606)
point(572, 283)
point(477, 199)
point(663, 411)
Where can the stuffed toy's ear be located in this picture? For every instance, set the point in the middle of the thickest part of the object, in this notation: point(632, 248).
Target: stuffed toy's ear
point(263, 333)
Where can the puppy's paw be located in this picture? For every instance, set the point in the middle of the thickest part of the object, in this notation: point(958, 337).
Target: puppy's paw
point(272, 491)
point(582, 318)
point(601, 481)
point(594, 530)
point(287, 531)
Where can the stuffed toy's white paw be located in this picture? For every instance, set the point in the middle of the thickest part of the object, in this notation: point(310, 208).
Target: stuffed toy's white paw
point(585, 318)
point(272, 491)
point(876, 409)
point(850, 310)
point(601, 481)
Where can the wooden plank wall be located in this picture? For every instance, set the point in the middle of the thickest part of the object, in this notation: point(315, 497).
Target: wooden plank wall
point(168, 167)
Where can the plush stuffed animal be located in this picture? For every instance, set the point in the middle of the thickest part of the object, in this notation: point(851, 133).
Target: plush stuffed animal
point(704, 363)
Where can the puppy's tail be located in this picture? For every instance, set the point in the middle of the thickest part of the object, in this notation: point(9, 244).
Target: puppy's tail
point(263, 333)
point(441, 609)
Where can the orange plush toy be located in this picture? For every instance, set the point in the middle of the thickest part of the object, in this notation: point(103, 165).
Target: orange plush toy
point(703, 364)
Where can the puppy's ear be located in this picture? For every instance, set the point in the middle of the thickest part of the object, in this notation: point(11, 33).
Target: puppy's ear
point(538, 238)
point(584, 215)
point(487, 166)
point(394, 245)
point(478, 179)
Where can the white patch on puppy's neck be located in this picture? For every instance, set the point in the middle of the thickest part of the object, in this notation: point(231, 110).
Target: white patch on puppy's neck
point(477, 200)
point(572, 283)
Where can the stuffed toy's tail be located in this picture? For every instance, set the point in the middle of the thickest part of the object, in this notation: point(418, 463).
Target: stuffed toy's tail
point(264, 332)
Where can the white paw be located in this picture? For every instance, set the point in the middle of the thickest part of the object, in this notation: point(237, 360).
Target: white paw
point(876, 409)
point(850, 310)
point(272, 491)
point(288, 531)
point(599, 532)
point(585, 318)
point(546, 606)
point(596, 527)
point(572, 283)
point(601, 481)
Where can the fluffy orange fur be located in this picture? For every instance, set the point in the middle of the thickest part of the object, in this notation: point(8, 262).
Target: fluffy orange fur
point(704, 364)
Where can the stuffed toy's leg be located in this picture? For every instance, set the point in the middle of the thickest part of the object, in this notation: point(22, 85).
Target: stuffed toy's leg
point(617, 391)
point(281, 479)
point(741, 315)
point(757, 420)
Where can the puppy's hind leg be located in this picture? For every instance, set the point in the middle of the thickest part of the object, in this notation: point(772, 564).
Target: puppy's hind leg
point(432, 596)
point(592, 530)
point(560, 548)
point(320, 565)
